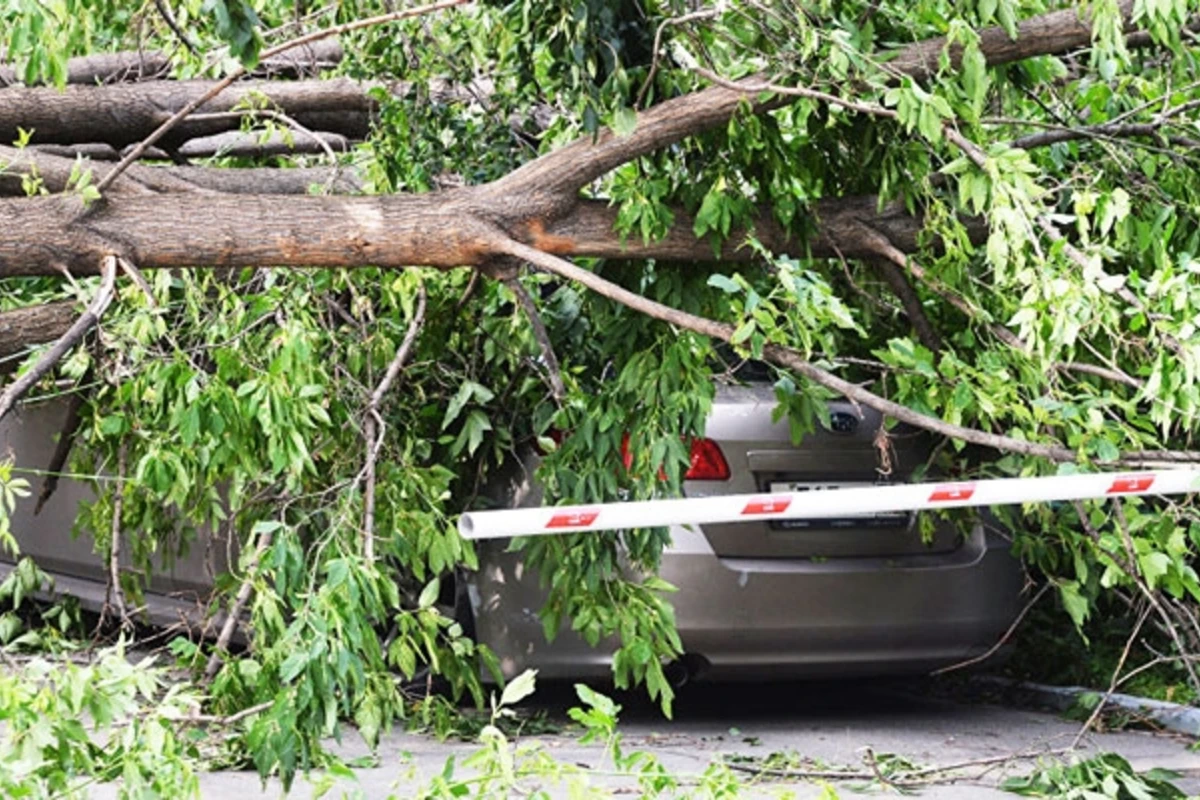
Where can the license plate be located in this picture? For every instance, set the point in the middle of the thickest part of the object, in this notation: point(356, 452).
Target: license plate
point(849, 519)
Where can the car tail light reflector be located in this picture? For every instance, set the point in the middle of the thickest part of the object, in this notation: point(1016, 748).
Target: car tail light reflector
point(708, 462)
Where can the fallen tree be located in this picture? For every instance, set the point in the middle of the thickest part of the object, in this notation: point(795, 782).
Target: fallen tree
point(973, 233)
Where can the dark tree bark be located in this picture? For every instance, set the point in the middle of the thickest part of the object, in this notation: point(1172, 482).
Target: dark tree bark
point(104, 68)
point(306, 61)
point(123, 114)
point(24, 327)
point(55, 171)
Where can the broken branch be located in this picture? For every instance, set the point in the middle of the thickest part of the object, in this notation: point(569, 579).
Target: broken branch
point(373, 425)
point(74, 334)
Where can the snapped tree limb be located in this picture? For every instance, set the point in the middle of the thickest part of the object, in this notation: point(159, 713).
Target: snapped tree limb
point(104, 295)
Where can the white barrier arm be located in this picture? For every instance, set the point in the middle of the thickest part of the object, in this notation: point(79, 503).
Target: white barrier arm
point(549, 520)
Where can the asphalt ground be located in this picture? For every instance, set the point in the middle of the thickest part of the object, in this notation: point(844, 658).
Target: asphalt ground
point(809, 726)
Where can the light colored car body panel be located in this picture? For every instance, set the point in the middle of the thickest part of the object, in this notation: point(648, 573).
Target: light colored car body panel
point(180, 586)
point(855, 601)
point(825, 599)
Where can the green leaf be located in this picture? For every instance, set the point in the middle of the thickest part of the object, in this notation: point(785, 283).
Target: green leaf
point(743, 332)
point(518, 688)
point(429, 594)
point(624, 121)
point(1076, 605)
point(727, 285)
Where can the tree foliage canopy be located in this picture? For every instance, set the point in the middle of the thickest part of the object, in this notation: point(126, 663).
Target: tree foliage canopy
point(979, 217)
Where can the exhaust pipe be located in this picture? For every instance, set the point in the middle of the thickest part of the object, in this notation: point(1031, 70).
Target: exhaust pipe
point(685, 669)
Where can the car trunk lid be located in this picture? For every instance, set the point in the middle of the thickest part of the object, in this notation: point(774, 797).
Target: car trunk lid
point(763, 459)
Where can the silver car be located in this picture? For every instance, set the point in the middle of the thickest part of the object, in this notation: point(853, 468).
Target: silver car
point(853, 595)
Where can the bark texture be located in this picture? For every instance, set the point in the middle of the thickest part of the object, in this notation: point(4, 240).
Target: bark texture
point(446, 229)
point(55, 172)
point(146, 65)
point(23, 327)
point(124, 114)
point(1048, 34)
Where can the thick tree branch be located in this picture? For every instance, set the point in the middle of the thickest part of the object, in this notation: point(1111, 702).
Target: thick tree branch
point(1044, 35)
point(55, 174)
point(223, 84)
point(124, 114)
point(445, 229)
point(790, 359)
point(105, 68)
point(104, 295)
point(560, 174)
point(784, 357)
point(550, 183)
point(149, 65)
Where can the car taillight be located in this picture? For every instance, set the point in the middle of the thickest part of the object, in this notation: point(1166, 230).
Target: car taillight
point(708, 462)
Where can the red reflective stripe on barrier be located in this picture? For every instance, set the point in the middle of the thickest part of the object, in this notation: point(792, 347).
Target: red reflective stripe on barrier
point(573, 519)
point(948, 492)
point(1137, 483)
point(767, 505)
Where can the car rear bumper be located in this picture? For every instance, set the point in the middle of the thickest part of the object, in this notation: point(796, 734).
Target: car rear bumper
point(752, 618)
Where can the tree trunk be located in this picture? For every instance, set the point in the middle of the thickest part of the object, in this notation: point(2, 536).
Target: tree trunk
point(446, 229)
point(124, 114)
point(125, 67)
point(55, 172)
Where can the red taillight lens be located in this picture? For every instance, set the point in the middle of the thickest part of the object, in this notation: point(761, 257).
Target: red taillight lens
point(708, 462)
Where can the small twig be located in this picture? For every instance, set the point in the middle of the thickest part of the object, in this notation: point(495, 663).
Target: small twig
point(278, 116)
point(165, 12)
point(239, 603)
point(540, 333)
point(1151, 664)
point(373, 425)
point(1116, 674)
point(1002, 640)
point(902, 779)
point(74, 334)
point(114, 547)
point(137, 277)
point(66, 440)
point(1100, 372)
point(873, 763)
point(468, 291)
point(707, 13)
point(232, 719)
point(221, 85)
point(1151, 597)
